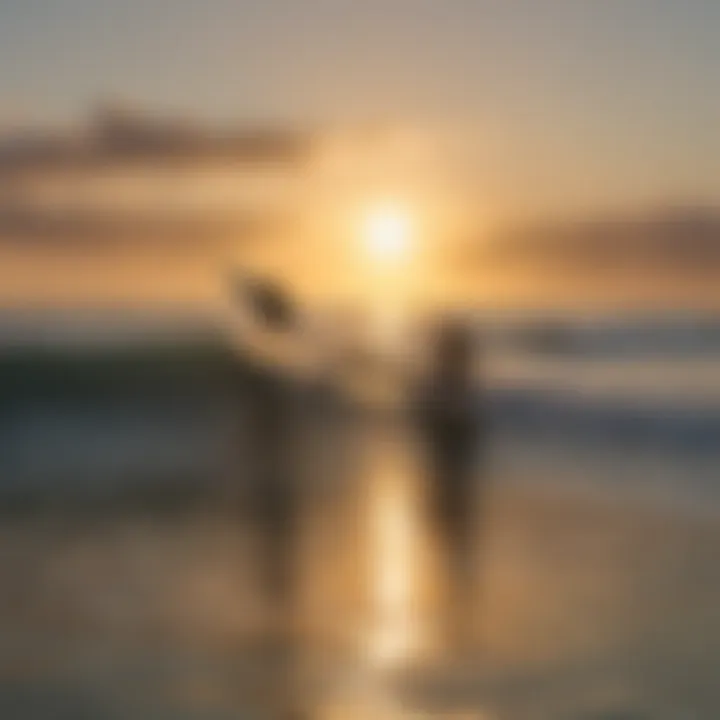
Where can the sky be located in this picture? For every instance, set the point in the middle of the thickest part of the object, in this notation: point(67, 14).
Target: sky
point(558, 106)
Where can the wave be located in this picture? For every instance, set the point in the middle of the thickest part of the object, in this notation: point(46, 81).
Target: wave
point(607, 338)
point(627, 423)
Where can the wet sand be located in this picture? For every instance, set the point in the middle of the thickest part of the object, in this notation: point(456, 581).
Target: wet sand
point(588, 607)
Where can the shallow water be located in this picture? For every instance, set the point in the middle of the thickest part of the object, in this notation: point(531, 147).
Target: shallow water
point(598, 583)
point(589, 606)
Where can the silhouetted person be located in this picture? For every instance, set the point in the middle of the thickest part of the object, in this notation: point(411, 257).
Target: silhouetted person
point(274, 501)
point(451, 429)
point(274, 504)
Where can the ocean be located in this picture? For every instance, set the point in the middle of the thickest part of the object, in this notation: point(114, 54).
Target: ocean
point(629, 406)
point(128, 594)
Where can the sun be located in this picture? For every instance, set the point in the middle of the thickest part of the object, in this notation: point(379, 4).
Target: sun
point(387, 232)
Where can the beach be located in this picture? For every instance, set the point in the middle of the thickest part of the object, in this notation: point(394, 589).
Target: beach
point(589, 606)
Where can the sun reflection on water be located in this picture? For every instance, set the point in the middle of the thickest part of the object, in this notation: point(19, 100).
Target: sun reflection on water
point(396, 633)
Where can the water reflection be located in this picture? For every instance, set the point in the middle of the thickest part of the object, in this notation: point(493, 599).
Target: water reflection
point(156, 614)
point(396, 633)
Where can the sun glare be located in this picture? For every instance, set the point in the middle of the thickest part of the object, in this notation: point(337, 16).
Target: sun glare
point(388, 233)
